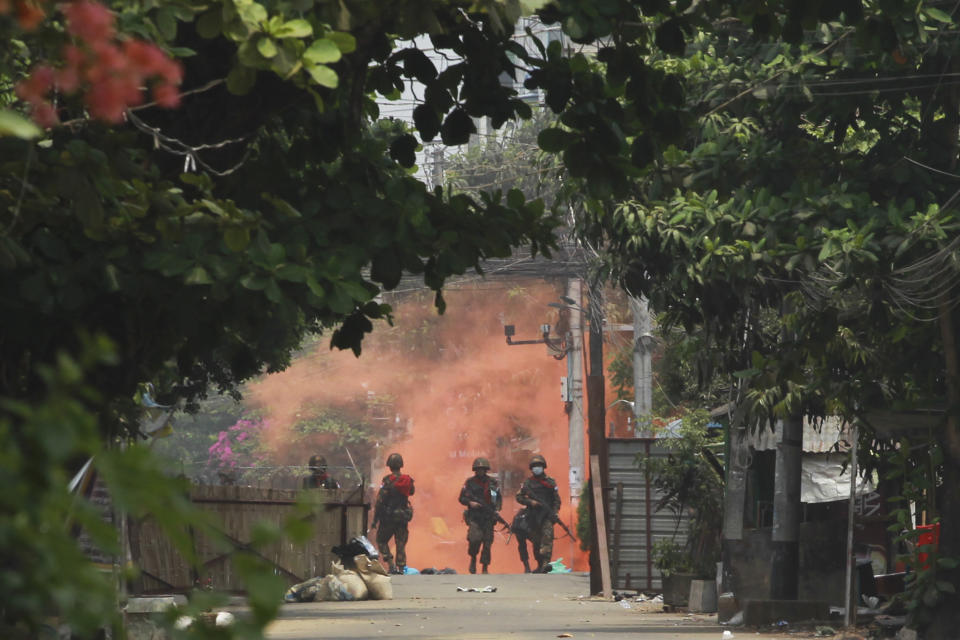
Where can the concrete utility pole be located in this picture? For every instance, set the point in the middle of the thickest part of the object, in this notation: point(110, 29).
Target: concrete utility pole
point(575, 393)
point(642, 366)
point(785, 567)
point(596, 415)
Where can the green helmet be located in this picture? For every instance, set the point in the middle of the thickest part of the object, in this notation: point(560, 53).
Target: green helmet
point(318, 462)
point(481, 463)
point(538, 461)
point(395, 461)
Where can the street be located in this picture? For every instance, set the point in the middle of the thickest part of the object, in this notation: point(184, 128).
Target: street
point(525, 606)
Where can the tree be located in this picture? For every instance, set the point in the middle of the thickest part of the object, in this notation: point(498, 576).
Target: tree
point(509, 160)
point(202, 279)
point(201, 245)
point(799, 224)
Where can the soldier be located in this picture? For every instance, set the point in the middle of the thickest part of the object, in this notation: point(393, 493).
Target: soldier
point(541, 500)
point(481, 495)
point(392, 513)
point(319, 478)
point(521, 531)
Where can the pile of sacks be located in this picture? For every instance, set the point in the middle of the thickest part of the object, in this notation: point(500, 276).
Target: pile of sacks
point(367, 581)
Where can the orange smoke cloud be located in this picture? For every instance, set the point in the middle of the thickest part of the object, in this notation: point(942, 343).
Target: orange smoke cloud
point(461, 392)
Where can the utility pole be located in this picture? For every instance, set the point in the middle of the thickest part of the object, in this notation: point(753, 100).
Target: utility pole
point(785, 567)
point(642, 367)
point(596, 415)
point(575, 393)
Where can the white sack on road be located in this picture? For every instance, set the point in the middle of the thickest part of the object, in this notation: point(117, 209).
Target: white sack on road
point(375, 577)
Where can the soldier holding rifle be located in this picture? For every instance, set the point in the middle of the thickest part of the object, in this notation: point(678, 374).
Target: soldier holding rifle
point(541, 500)
point(481, 496)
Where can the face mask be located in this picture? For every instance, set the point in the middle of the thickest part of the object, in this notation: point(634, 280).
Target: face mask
point(537, 470)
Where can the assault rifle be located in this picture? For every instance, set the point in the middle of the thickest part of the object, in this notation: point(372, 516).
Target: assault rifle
point(490, 512)
point(554, 517)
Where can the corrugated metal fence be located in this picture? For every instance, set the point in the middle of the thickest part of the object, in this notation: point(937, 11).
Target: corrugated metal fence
point(634, 526)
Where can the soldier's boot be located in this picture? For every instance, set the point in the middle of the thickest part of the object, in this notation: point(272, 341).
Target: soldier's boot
point(473, 564)
point(391, 568)
point(485, 569)
point(526, 565)
point(401, 569)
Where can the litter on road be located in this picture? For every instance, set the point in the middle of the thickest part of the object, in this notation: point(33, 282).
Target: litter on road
point(486, 589)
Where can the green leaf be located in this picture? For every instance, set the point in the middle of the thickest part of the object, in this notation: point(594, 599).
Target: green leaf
point(946, 587)
point(426, 121)
point(322, 51)
point(298, 28)
point(324, 76)
point(937, 14)
point(457, 127)
point(210, 23)
point(386, 269)
point(404, 150)
point(198, 275)
point(236, 239)
point(287, 61)
point(252, 14)
point(554, 140)
point(241, 79)
point(344, 41)
point(166, 23)
point(16, 125)
point(266, 47)
point(669, 37)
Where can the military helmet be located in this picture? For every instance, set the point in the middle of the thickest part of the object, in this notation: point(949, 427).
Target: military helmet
point(538, 461)
point(395, 460)
point(318, 461)
point(481, 463)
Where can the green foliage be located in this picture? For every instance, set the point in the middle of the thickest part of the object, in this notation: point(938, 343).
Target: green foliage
point(917, 471)
point(187, 445)
point(759, 187)
point(584, 508)
point(671, 557)
point(510, 160)
point(44, 574)
point(689, 485)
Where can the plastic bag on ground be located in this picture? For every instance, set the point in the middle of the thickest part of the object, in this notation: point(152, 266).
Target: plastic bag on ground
point(375, 577)
point(332, 588)
point(557, 566)
point(303, 591)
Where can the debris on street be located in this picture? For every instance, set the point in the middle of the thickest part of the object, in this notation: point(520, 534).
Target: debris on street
point(366, 580)
point(486, 589)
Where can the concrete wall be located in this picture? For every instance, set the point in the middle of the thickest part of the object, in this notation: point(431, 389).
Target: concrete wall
point(822, 568)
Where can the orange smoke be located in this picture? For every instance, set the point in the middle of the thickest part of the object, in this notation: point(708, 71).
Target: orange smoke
point(459, 392)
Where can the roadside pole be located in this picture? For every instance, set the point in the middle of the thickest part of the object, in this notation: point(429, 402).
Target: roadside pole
point(596, 416)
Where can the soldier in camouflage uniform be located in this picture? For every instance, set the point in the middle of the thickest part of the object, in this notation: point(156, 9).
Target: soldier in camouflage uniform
point(541, 500)
point(481, 495)
point(392, 513)
point(319, 478)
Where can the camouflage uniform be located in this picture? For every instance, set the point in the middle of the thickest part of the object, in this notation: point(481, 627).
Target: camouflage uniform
point(480, 522)
point(391, 515)
point(319, 478)
point(539, 527)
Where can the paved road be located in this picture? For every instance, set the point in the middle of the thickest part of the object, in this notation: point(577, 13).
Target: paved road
point(524, 607)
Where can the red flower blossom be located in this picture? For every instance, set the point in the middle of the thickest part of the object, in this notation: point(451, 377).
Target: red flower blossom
point(29, 15)
point(90, 21)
